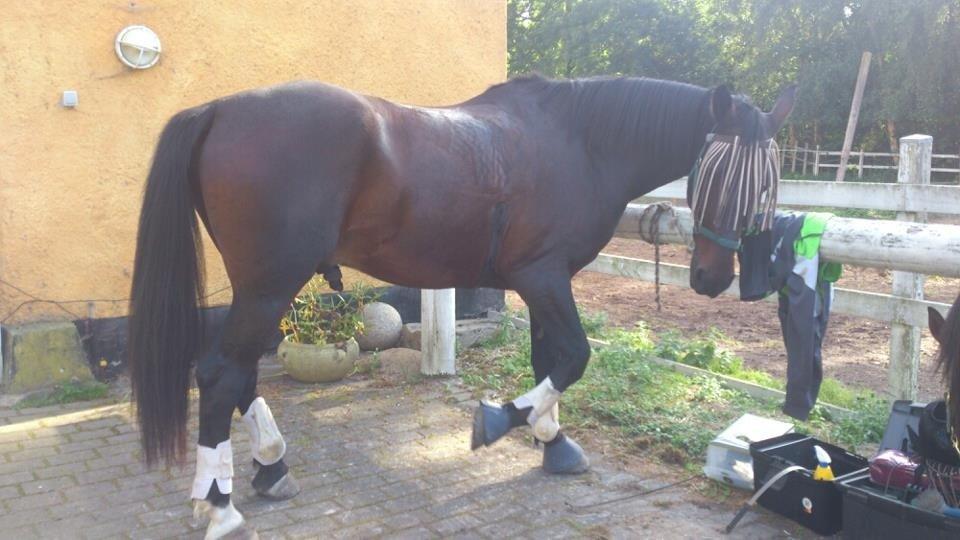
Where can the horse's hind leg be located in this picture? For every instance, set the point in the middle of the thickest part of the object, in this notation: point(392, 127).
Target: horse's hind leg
point(224, 376)
point(273, 479)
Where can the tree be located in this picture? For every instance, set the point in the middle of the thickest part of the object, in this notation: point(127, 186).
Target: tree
point(759, 46)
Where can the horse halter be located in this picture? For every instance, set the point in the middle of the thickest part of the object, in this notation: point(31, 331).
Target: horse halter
point(748, 174)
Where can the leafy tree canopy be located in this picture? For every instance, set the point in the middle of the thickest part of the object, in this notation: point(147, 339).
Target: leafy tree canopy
point(758, 46)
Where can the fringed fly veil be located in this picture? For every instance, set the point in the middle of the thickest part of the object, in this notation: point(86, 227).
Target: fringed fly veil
point(748, 190)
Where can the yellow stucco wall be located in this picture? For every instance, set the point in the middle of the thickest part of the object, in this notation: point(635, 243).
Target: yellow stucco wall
point(71, 180)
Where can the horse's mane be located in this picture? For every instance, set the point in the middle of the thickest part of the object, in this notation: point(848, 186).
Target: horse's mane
point(645, 115)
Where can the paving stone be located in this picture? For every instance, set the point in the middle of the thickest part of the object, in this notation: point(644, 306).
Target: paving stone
point(70, 457)
point(31, 454)
point(414, 533)
point(32, 502)
point(46, 485)
point(60, 470)
point(15, 478)
point(171, 529)
point(367, 530)
point(70, 527)
point(456, 524)
point(503, 528)
point(270, 520)
point(24, 533)
point(12, 520)
point(112, 529)
point(315, 528)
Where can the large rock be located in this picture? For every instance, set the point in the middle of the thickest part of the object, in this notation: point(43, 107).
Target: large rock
point(42, 355)
point(381, 327)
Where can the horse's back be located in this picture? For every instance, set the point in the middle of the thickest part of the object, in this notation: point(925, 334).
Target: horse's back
point(280, 163)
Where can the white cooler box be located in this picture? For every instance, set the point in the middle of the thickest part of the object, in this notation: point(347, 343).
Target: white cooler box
point(728, 456)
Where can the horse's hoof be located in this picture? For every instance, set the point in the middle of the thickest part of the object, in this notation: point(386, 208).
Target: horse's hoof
point(564, 456)
point(490, 422)
point(225, 522)
point(285, 488)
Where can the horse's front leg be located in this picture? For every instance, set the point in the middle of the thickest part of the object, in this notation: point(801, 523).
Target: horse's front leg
point(273, 479)
point(559, 354)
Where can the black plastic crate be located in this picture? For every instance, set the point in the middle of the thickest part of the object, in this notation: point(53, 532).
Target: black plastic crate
point(903, 414)
point(817, 505)
point(870, 512)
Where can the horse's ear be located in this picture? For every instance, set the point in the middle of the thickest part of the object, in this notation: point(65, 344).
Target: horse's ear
point(781, 110)
point(935, 322)
point(721, 104)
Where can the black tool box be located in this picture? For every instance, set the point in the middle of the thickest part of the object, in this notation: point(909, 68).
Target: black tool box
point(817, 505)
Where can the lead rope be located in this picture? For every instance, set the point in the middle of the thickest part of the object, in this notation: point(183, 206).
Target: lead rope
point(652, 235)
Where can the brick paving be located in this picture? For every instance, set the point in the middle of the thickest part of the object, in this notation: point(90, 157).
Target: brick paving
point(373, 461)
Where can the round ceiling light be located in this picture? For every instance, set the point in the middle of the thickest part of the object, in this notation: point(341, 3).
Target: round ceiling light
point(138, 47)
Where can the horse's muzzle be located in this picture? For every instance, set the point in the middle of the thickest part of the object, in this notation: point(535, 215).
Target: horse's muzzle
point(707, 283)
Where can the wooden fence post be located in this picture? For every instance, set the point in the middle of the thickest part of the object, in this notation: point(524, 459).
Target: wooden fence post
point(816, 162)
point(806, 149)
point(793, 160)
point(854, 114)
point(915, 163)
point(438, 337)
point(860, 164)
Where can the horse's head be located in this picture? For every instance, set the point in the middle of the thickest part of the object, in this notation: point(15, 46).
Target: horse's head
point(732, 189)
point(947, 333)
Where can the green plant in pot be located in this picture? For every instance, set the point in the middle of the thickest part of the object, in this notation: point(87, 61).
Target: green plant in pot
point(318, 333)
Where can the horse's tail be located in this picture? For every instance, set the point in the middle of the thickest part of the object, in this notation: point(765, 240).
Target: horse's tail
point(165, 324)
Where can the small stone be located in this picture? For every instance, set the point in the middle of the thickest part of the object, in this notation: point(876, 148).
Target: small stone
point(400, 365)
point(410, 336)
point(381, 327)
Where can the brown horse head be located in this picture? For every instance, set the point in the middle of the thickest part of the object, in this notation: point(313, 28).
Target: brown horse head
point(947, 333)
point(732, 188)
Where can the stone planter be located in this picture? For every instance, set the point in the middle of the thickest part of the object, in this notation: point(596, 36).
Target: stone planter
point(318, 363)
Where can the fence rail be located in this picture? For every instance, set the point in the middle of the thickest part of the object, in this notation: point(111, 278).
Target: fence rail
point(897, 197)
point(794, 158)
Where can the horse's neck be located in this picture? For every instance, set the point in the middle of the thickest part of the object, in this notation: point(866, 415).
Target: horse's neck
point(634, 175)
point(651, 141)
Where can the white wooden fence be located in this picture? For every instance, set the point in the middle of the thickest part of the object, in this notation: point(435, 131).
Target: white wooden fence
point(910, 248)
point(803, 158)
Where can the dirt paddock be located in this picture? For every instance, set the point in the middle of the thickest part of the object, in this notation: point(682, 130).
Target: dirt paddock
point(855, 352)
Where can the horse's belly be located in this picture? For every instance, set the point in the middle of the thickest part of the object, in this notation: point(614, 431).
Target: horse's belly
point(438, 247)
point(418, 262)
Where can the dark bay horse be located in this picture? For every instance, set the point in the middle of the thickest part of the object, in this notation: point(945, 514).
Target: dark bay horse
point(518, 188)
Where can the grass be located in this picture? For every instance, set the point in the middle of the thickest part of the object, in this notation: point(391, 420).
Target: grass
point(66, 393)
point(661, 411)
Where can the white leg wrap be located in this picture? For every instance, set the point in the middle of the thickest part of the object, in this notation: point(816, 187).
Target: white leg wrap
point(213, 465)
point(222, 520)
point(548, 425)
point(266, 442)
point(544, 416)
